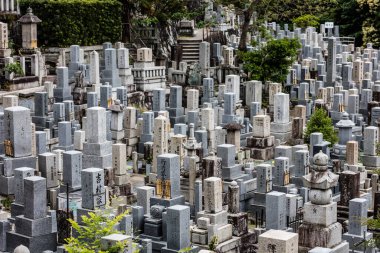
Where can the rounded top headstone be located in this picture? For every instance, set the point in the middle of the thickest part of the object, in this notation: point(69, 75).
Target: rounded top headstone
point(320, 159)
point(21, 249)
point(233, 183)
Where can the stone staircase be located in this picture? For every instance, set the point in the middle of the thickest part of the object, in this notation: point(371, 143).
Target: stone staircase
point(190, 50)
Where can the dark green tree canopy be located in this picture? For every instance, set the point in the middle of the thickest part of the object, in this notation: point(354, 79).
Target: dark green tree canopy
point(271, 61)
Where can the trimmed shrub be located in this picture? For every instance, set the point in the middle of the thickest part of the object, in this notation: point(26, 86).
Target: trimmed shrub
point(80, 22)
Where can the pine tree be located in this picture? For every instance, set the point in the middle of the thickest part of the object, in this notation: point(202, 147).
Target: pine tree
point(320, 122)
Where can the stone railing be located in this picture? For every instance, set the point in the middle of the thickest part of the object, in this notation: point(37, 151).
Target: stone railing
point(9, 7)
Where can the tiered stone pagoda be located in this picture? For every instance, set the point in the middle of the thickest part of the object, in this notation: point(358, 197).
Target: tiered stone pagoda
point(320, 227)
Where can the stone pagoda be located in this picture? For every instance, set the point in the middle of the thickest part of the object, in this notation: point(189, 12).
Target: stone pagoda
point(320, 227)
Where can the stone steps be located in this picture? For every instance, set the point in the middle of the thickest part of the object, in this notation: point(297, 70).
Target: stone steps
point(190, 50)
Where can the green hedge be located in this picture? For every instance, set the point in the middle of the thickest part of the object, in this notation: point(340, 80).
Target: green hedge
point(80, 22)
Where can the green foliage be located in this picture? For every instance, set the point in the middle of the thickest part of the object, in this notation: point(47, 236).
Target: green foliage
point(350, 17)
point(14, 68)
point(82, 22)
point(306, 21)
point(162, 11)
point(213, 243)
point(96, 225)
point(6, 203)
point(270, 62)
point(184, 250)
point(321, 122)
point(377, 150)
point(286, 11)
point(373, 224)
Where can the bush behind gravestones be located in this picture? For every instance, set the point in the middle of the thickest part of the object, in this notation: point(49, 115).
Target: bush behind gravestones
point(80, 22)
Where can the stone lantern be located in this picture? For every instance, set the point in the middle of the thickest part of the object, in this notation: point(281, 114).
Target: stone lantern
point(344, 126)
point(29, 29)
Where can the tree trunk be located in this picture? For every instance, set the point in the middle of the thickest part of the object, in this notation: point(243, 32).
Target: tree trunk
point(247, 19)
point(126, 19)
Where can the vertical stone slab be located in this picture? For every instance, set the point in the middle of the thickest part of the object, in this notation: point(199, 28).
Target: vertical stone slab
point(20, 175)
point(168, 176)
point(275, 210)
point(35, 197)
point(96, 125)
point(213, 195)
point(143, 197)
point(178, 236)
point(93, 191)
point(18, 131)
point(72, 168)
point(264, 178)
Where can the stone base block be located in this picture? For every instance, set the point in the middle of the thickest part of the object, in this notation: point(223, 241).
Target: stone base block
point(199, 236)
point(180, 200)
point(283, 137)
point(223, 233)
point(371, 161)
point(239, 223)
point(34, 244)
point(324, 215)
point(31, 227)
point(232, 245)
point(125, 72)
point(231, 172)
point(256, 142)
point(6, 185)
point(342, 247)
point(93, 161)
point(284, 188)
point(355, 239)
point(282, 241)
point(9, 164)
point(247, 241)
point(157, 242)
point(152, 229)
point(262, 154)
point(16, 209)
point(219, 218)
point(121, 179)
point(281, 127)
point(117, 135)
point(97, 149)
point(228, 118)
point(313, 235)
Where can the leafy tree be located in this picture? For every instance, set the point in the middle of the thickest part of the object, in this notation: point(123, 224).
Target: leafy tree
point(321, 122)
point(270, 62)
point(247, 9)
point(306, 20)
point(350, 17)
point(286, 11)
point(96, 225)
